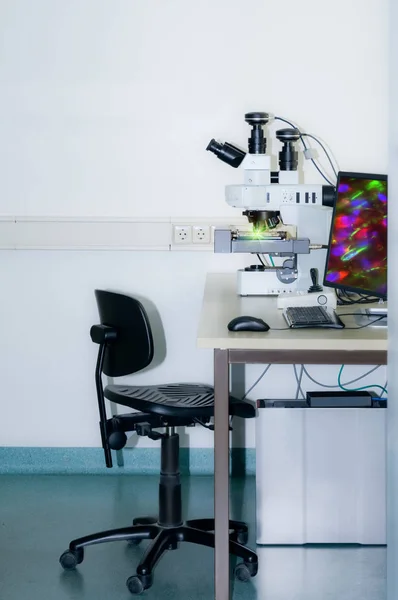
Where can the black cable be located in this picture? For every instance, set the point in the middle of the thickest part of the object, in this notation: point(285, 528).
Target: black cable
point(368, 298)
point(205, 425)
point(294, 127)
point(262, 261)
point(305, 148)
point(360, 315)
point(324, 176)
point(339, 315)
point(320, 326)
point(348, 297)
point(345, 299)
point(324, 149)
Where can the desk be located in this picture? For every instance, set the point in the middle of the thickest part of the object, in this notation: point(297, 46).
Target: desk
point(366, 346)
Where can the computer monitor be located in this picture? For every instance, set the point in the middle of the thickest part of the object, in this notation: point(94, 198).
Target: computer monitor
point(357, 252)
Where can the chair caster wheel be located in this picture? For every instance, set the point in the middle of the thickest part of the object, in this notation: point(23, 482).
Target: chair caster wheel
point(136, 584)
point(71, 558)
point(245, 570)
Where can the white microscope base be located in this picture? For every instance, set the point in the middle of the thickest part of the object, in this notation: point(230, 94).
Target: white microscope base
point(261, 283)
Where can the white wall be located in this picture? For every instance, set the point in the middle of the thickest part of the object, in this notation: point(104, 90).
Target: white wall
point(106, 109)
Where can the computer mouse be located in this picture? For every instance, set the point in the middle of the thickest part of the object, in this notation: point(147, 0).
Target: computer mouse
point(247, 324)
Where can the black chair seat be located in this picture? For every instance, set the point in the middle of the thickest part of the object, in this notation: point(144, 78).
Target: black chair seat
point(174, 400)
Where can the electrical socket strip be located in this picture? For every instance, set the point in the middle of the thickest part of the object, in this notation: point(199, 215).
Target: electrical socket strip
point(197, 233)
point(111, 233)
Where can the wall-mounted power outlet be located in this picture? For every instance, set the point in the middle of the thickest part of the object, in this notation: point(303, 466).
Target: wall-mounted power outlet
point(182, 234)
point(196, 234)
point(201, 234)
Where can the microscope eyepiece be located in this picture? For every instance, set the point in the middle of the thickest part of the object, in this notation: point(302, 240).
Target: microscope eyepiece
point(226, 152)
point(234, 156)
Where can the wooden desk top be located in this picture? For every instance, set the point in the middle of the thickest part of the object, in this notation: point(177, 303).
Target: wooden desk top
point(221, 304)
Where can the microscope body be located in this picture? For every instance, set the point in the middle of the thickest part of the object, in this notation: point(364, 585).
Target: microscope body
point(286, 219)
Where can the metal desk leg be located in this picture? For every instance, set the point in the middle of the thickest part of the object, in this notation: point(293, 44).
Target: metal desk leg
point(221, 473)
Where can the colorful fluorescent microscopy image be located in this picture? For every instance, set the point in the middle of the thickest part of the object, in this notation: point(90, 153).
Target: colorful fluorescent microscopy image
point(358, 249)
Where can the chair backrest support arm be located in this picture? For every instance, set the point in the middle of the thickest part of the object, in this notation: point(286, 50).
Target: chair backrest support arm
point(101, 405)
point(102, 335)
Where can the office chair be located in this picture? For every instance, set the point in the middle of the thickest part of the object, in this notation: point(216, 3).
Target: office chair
point(125, 347)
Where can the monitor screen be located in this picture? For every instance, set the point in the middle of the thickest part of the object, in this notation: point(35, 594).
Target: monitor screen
point(357, 252)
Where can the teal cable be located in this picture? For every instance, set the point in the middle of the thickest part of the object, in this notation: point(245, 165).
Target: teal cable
point(365, 387)
point(271, 260)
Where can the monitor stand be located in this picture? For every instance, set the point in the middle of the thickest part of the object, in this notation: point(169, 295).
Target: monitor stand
point(370, 317)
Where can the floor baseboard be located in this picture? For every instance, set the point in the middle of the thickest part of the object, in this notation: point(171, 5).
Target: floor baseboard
point(57, 461)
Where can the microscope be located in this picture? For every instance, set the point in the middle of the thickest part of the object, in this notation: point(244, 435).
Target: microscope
point(287, 220)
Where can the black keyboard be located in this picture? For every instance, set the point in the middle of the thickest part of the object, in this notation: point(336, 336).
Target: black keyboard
point(311, 316)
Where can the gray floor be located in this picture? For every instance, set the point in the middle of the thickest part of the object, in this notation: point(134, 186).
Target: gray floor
point(39, 516)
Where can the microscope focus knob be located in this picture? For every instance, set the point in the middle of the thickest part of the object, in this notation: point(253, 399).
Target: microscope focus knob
point(315, 287)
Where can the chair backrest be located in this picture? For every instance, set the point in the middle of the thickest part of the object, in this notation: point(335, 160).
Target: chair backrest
point(133, 348)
